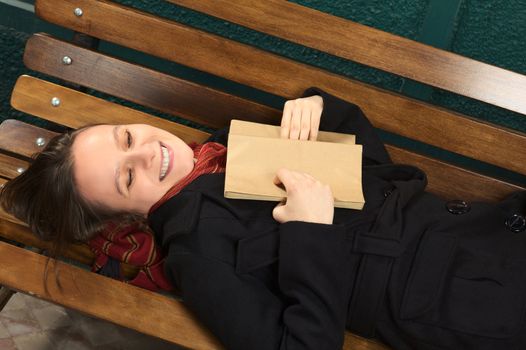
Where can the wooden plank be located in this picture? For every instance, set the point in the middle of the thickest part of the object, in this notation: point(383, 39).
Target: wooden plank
point(33, 96)
point(104, 298)
point(372, 47)
point(9, 166)
point(451, 182)
point(21, 138)
point(272, 73)
point(156, 90)
point(22, 234)
point(355, 342)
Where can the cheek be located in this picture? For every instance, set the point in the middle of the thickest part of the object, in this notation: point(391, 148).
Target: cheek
point(183, 162)
point(146, 193)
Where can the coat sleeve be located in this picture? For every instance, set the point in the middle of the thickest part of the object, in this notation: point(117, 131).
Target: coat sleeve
point(310, 313)
point(342, 116)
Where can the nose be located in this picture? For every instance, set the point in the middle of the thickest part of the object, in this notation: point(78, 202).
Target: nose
point(143, 155)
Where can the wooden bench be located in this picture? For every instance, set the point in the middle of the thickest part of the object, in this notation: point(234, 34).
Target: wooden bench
point(165, 317)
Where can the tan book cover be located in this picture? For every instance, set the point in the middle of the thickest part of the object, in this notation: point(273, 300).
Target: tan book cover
point(241, 127)
point(254, 157)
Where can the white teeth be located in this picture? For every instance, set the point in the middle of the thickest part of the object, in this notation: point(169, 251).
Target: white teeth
point(165, 162)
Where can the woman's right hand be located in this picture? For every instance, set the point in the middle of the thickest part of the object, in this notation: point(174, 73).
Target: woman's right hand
point(307, 200)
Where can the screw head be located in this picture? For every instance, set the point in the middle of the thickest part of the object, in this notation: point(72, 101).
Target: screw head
point(20, 170)
point(78, 12)
point(40, 141)
point(55, 102)
point(66, 60)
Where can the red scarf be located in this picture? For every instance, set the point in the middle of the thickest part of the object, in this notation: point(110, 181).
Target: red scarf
point(130, 245)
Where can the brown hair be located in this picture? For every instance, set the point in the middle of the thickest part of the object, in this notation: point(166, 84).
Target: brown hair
point(45, 196)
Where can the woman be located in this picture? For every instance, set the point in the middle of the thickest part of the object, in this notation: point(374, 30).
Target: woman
point(410, 269)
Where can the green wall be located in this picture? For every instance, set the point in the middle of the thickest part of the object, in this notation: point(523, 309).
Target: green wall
point(491, 31)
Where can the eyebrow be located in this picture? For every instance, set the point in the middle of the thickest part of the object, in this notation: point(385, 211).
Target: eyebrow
point(117, 168)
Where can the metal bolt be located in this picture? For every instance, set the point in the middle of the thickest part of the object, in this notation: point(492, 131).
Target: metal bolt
point(40, 141)
point(66, 60)
point(20, 170)
point(78, 12)
point(55, 102)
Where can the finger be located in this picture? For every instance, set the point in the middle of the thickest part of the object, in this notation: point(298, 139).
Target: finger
point(286, 120)
point(305, 124)
point(295, 124)
point(278, 213)
point(287, 178)
point(280, 174)
point(315, 125)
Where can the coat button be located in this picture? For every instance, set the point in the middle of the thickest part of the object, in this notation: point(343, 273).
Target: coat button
point(388, 192)
point(516, 223)
point(457, 207)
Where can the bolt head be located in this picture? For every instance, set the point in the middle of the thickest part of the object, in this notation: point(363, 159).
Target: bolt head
point(66, 60)
point(20, 170)
point(40, 141)
point(55, 102)
point(78, 12)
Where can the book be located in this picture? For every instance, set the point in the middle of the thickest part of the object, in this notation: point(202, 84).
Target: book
point(256, 152)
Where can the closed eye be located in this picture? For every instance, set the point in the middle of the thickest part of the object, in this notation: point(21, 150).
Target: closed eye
point(130, 178)
point(129, 139)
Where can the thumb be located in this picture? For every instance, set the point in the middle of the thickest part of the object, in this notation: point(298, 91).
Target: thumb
point(278, 213)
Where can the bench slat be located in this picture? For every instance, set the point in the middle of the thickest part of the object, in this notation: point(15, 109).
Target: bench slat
point(22, 234)
point(156, 90)
point(31, 95)
point(268, 72)
point(19, 137)
point(370, 47)
point(468, 185)
point(9, 166)
point(91, 294)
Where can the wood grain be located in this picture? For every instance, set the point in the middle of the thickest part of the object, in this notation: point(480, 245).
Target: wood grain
point(272, 73)
point(452, 182)
point(9, 166)
point(373, 47)
point(142, 85)
point(19, 137)
point(33, 96)
point(131, 307)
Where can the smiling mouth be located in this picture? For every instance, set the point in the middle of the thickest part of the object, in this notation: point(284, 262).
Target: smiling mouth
point(164, 163)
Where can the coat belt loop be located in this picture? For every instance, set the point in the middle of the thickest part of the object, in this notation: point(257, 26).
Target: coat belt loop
point(368, 297)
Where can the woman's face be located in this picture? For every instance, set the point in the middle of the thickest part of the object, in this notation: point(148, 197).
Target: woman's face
point(128, 167)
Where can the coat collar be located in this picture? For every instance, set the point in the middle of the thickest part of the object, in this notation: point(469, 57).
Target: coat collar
point(180, 214)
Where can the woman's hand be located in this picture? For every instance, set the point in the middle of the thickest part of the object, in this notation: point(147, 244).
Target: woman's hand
point(301, 118)
point(308, 199)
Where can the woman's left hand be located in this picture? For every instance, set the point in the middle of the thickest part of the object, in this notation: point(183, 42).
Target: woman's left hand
point(301, 118)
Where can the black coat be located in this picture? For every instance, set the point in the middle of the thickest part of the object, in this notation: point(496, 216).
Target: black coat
point(405, 268)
